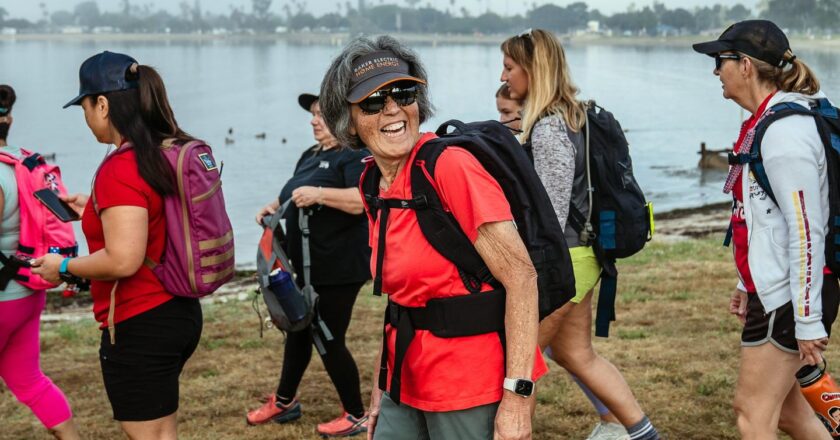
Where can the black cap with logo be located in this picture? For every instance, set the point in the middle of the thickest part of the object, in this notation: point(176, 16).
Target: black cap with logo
point(760, 39)
point(375, 70)
point(102, 73)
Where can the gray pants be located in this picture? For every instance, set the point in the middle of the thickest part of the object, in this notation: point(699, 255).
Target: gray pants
point(402, 422)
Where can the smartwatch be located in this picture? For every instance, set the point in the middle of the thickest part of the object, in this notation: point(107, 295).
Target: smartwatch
point(64, 274)
point(522, 387)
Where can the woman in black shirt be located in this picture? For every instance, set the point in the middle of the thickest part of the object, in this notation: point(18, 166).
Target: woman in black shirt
point(325, 180)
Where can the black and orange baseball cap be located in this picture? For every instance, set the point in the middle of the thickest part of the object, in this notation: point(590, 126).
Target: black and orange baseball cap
point(377, 69)
point(760, 39)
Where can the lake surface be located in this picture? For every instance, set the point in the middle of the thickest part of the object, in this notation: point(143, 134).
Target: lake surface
point(666, 97)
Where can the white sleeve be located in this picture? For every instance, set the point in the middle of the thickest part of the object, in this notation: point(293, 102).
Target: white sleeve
point(793, 157)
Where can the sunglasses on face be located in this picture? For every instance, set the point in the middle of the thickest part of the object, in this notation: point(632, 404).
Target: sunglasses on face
point(725, 56)
point(374, 103)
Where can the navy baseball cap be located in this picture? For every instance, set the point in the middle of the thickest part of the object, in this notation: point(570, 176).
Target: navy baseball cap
point(102, 73)
point(376, 70)
point(760, 39)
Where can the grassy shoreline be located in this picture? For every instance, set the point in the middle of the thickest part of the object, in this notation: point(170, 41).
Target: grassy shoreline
point(338, 39)
point(674, 341)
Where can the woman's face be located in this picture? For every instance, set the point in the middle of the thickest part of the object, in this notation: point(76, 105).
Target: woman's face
point(389, 134)
point(320, 131)
point(508, 112)
point(731, 76)
point(96, 116)
point(515, 77)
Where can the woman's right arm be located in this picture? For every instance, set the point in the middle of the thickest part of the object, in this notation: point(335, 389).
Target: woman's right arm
point(126, 230)
point(375, 396)
point(554, 160)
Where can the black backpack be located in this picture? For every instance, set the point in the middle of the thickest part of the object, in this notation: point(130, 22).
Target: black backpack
point(827, 118)
point(620, 221)
point(501, 155)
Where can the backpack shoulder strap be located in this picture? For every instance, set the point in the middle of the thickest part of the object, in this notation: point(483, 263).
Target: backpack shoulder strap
point(440, 227)
point(753, 157)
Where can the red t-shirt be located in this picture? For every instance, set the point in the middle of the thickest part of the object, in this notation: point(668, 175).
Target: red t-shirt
point(118, 183)
point(453, 373)
point(740, 237)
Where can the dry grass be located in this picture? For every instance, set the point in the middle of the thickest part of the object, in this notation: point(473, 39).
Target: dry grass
point(674, 341)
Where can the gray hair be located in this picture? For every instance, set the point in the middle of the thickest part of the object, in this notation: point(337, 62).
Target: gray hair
point(336, 85)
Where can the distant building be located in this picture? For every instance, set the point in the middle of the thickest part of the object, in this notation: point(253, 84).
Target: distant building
point(281, 29)
point(8, 31)
point(72, 30)
point(593, 26)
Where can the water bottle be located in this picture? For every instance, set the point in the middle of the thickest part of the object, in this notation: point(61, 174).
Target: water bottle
point(822, 394)
point(291, 301)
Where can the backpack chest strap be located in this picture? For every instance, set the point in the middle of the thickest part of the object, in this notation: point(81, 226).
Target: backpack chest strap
point(382, 207)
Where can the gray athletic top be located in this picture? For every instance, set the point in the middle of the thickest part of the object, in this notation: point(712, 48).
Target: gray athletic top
point(561, 165)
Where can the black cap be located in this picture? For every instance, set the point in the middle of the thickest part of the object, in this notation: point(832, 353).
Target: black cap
point(760, 39)
point(102, 73)
point(306, 100)
point(374, 70)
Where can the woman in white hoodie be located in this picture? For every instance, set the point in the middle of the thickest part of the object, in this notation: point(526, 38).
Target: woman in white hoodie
point(785, 298)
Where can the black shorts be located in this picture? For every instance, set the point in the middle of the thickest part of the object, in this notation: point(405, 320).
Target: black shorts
point(141, 370)
point(778, 326)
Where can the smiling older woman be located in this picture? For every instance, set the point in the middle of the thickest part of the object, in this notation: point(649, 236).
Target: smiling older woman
point(375, 94)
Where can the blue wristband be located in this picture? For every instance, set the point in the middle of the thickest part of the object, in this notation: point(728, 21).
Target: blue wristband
point(64, 263)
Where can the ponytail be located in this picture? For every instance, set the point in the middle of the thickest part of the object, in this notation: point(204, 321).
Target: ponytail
point(7, 101)
point(144, 117)
point(799, 78)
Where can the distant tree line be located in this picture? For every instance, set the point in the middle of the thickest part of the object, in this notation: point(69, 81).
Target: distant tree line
point(656, 19)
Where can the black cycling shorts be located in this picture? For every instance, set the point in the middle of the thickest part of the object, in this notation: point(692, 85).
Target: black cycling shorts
point(141, 370)
point(778, 326)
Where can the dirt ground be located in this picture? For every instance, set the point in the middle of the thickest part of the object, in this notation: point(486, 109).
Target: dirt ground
point(674, 342)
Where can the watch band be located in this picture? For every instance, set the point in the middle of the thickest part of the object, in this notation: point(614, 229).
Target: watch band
point(511, 385)
point(63, 267)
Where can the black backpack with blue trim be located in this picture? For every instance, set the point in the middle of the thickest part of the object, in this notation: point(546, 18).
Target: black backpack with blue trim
point(620, 220)
point(827, 118)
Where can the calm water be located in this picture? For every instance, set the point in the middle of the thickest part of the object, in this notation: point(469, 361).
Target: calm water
point(667, 98)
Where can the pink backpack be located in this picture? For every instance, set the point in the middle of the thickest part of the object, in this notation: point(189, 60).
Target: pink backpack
point(198, 257)
point(41, 232)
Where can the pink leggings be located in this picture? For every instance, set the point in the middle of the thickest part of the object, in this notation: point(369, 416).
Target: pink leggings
point(20, 365)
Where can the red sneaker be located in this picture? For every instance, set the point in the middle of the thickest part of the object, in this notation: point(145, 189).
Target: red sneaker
point(274, 411)
point(344, 426)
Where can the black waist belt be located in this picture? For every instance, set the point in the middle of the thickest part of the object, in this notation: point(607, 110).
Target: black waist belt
point(466, 315)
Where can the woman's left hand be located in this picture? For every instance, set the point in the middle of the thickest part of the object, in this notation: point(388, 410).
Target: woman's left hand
point(811, 351)
point(307, 196)
point(47, 267)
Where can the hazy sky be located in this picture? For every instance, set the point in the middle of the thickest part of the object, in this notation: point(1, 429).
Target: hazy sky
point(29, 8)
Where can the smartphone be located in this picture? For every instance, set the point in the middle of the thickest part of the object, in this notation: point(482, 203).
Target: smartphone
point(58, 207)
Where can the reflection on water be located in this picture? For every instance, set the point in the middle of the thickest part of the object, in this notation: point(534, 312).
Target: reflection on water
point(666, 97)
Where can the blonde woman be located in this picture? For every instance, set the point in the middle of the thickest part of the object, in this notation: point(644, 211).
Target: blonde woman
point(536, 72)
point(784, 298)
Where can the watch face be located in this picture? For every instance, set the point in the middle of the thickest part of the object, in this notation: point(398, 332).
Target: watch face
point(524, 387)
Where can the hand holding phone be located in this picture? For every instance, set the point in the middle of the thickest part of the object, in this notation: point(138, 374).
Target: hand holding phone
point(60, 208)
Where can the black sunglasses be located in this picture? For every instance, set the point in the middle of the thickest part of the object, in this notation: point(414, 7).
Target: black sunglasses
point(374, 103)
point(725, 56)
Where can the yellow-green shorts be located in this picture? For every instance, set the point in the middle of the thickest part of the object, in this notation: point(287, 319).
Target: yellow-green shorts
point(587, 271)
